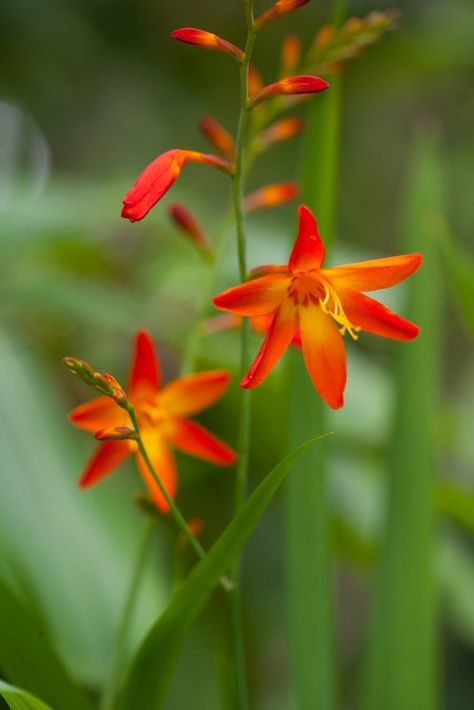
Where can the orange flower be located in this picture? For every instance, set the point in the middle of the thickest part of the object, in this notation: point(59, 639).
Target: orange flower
point(271, 196)
point(279, 9)
point(207, 40)
point(321, 305)
point(304, 84)
point(163, 417)
point(159, 176)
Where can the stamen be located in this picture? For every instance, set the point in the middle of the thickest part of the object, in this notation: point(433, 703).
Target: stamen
point(331, 304)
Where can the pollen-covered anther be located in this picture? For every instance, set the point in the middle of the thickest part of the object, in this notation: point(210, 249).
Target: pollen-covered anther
point(331, 304)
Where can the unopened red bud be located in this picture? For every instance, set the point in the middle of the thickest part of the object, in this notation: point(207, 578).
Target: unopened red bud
point(116, 391)
point(207, 40)
point(290, 54)
point(279, 9)
point(217, 135)
point(116, 433)
point(280, 131)
point(271, 196)
point(190, 227)
point(305, 84)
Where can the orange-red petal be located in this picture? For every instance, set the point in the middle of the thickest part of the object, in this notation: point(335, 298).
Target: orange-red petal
point(145, 373)
point(324, 354)
point(98, 414)
point(374, 317)
point(106, 457)
point(308, 252)
point(374, 274)
point(194, 439)
point(164, 465)
point(218, 136)
point(207, 40)
point(193, 393)
point(305, 84)
point(279, 336)
point(255, 297)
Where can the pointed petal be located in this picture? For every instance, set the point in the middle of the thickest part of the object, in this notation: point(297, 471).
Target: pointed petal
point(374, 274)
point(98, 414)
point(324, 354)
point(194, 439)
point(193, 393)
point(308, 251)
point(255, 297)
point(374, 317)
point(106, 457)
point(164, 465)
point(279, 336)
point(145, 371)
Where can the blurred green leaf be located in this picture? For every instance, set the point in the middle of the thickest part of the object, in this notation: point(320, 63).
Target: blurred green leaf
point(457, 503)
point(27, 658)
point(153, 666)
point(19, 699)
point(403, 653)
point(460, 271)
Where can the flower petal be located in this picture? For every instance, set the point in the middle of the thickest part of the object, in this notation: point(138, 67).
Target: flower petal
point(324, 354)
point(164, 465)
point(279, 336)
point(308, 252)
point(255, 297)
point(145, 374)
point(193, 393)
point(194, 439)
point(98, 414)
point(106, 457)
point(374, 274)
point(374, 317)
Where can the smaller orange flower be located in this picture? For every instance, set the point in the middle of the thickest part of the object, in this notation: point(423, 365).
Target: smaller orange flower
point(160, 175)
point(189, 225)
point(271, 196)
point(304, 84)
point(162, 413)
point(279, 9)
point(318, 306)
point(207, 40)
point(218, 136)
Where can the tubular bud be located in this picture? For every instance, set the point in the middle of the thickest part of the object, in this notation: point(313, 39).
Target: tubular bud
point(304, 84)
point(190, 227)
point(207, 40)
point(290, 54)
point(255, 81)
point(279, 9)
point(271, 196)
point(116, 433)
point(218, 136)
point(280, 131)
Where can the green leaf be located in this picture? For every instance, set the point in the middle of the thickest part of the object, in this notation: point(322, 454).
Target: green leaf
point(27, 656)
point(403, 651)
point(19, 699)
point(153, 666)
point(460, 267)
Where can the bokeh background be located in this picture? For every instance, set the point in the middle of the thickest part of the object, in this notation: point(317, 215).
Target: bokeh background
point(90, 92)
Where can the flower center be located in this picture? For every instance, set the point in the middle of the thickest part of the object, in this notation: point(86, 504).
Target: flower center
point(304, 290)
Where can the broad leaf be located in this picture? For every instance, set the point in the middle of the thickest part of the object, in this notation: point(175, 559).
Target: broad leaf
point(153, 666)
point(18, 699)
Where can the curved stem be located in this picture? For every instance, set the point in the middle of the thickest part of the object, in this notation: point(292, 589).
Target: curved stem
point(136, 579)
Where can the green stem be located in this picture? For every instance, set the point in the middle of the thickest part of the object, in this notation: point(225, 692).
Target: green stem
point(112, 686)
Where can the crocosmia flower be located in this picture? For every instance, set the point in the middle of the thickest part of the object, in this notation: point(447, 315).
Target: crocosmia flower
point(159, 176)
point(163, 415)
point(318, 306)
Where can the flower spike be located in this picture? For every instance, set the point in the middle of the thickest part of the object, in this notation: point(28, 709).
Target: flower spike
point(279, 9)
point(159, 176)
point(163, 413)
point(207, 40)
point(312, 306)
point(271, 196)
point(191, 228)
point(218, 136)
point(305, 84)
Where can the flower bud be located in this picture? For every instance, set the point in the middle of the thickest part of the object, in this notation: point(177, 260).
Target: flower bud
point(271, 196)
point(279, 9)
point(217, 135)
point(290, 55)
point(190, 227)
point(116, 433)
point(280, 131)
point(207, 40)
point(305, 84)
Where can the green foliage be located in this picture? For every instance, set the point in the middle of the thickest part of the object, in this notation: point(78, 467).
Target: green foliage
point(154, 663)
point(19, 699)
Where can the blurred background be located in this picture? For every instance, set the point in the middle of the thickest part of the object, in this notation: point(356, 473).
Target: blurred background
point(90, 92)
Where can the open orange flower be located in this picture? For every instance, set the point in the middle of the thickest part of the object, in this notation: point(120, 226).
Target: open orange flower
point(320, 305)
point(163, 418)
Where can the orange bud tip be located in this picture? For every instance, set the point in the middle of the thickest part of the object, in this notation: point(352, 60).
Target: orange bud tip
point(116, 433)
point(189, 226)
point(271, 196)
point(217, 135)
point(304, 84)
point(280, 131)
point(279, 9)
point(207, 40)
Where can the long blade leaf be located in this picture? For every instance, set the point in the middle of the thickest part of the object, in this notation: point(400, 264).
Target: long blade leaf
point(18, 699)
